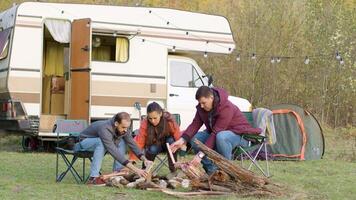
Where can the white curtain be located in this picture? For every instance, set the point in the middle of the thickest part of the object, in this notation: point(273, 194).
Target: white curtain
point(59, 29)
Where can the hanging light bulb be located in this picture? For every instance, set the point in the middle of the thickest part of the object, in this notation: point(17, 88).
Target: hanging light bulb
point(253, 57)
point(272, 60)
point(278, 60)
point(342, 61)
point(238, 58)
point(205, 54)
point(174, 49)
point(306, 60)
point(338, 56)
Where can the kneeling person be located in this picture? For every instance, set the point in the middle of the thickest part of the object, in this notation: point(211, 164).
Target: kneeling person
point(155, 131)
point(224, 124)
point(112, 136)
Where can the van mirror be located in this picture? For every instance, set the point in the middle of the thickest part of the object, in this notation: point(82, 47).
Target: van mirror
point(210, 79)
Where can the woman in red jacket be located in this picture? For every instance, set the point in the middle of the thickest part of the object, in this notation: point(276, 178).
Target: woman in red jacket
point(155, 131)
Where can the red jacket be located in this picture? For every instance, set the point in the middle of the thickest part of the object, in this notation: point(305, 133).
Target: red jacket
point(225, 116)
point(141, 138)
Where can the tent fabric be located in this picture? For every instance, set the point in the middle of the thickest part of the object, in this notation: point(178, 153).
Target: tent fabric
point(299, 135)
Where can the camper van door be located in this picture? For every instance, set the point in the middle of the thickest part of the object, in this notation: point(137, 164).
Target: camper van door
point(183, 82)
point(80, 69)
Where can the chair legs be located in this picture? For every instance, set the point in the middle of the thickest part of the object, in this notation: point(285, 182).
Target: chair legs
point(70, 168)
point(162, 162)
point(253, 159)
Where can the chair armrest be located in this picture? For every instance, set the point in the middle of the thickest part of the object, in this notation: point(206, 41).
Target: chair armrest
point(254, 138)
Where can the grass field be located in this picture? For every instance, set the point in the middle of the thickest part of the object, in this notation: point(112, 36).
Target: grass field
point(32, 175)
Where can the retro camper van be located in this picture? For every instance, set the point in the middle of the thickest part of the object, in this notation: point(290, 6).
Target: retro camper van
point(78, 61)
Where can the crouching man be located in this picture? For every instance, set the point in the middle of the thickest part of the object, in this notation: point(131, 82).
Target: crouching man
point(224, 124)
point(112, 136)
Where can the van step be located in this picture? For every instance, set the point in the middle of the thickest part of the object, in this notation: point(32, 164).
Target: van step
point(34, 124)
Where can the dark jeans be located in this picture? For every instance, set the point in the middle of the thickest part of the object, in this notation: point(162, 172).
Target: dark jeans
point(152, 151)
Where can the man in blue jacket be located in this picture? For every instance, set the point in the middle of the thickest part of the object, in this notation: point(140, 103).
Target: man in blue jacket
point(112, 136)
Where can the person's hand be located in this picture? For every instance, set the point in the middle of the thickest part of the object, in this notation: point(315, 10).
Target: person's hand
point(197, 159)
point(140, 172)
point(177, 145)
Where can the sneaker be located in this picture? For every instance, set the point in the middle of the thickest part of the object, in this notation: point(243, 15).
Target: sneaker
point(96, 181)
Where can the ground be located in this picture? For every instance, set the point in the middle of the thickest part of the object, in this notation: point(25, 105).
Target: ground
point(25, 175)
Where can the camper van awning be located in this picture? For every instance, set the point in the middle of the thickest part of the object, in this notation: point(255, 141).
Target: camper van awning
point(59, 29)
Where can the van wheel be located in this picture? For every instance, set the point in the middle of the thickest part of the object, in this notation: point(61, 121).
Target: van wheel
point(29, 143)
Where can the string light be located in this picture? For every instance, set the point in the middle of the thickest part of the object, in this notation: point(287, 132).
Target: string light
point(306, 60)
point(272, 60)
point(336, 55)
point(238, 58)
point(205, 54)
point(253, 57)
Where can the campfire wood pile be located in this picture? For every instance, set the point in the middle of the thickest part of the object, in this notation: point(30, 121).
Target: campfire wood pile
point(234, 178)
point(230, 179)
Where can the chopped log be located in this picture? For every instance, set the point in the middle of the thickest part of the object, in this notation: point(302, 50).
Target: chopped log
point(238, 173)
point(220, 176)
point(107, 176)
point(193, 194)
point(212, 187)
point(132, 177)
point(146, 184)
point(173, 184)
point(118, 180)
point(191, 171)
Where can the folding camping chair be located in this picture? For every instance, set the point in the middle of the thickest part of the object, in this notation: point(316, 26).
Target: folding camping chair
point(70, 129)
point(256, 145)
point(164, 159)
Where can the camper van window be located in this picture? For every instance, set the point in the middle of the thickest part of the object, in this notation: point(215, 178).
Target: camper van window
point(4, 43)
point(110, 49)
point(184, 75)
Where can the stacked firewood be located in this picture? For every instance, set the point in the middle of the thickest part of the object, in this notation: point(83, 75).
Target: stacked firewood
point(233, 178)
point(130, 180)
point(229, 179)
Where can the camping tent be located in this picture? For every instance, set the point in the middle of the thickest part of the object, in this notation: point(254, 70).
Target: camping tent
point(299, 135)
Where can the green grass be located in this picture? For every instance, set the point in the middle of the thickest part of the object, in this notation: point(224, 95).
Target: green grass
point(32, 175)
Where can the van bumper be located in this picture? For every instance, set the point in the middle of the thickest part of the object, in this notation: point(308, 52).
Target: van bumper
point(22, 125)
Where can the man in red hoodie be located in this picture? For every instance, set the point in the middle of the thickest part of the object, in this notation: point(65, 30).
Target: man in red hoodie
point(224, 124)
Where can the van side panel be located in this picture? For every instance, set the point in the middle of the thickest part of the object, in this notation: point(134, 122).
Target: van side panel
point(117, 86)
point(24, 81)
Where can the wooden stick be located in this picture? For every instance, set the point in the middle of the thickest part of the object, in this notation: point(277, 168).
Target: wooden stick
point(239, 173)
point(170, 153)
point(148, 170)
point(192, 194)
point(107, 176)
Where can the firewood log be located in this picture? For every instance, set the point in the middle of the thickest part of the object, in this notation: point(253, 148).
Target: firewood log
point(238, 173)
